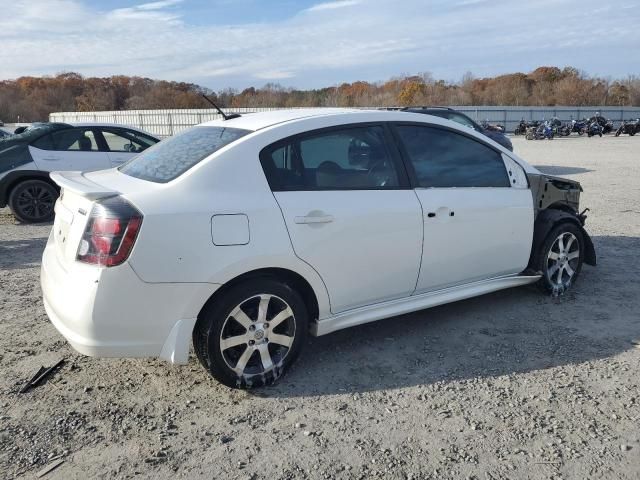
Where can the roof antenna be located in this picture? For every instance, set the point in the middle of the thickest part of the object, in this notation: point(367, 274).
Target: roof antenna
point(224, 116)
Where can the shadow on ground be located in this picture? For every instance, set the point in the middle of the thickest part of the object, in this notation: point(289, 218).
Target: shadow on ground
point(21, 253)
point(503, 333)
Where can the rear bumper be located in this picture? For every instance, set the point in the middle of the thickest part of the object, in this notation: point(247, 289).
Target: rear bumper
point(110, 312)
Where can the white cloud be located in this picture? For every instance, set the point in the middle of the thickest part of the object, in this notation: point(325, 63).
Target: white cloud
point(373, 40)
point(274, 75)
point(157, 5)
point(332, 5)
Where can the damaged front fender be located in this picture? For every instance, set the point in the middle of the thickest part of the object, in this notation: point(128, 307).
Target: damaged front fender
point(547, 219)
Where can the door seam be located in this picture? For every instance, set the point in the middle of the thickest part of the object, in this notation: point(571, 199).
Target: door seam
point(296, 253)
point(415, 288)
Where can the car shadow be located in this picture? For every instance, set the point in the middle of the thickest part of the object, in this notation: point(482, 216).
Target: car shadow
point(16, 254)
point(561, 170)
point(503, 333)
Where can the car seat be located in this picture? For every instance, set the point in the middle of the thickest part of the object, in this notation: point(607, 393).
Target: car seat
point(84, 143)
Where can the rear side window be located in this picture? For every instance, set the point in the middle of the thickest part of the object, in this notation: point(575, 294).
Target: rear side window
point(72, 139)
point(443, 159)
point(172, 157)
point(353, 158)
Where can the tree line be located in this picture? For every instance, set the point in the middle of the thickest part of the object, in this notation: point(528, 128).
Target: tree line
point(29, 99)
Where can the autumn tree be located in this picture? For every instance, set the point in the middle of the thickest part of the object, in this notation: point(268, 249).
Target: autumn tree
point(33, 98)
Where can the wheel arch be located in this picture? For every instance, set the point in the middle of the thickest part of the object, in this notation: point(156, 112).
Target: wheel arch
point(12, 179)
point(551, 217)
point(295, 280)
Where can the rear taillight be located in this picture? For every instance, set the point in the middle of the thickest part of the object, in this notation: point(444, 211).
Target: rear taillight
point(110, 233)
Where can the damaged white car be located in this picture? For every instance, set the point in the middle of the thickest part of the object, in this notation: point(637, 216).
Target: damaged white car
point(249, 233)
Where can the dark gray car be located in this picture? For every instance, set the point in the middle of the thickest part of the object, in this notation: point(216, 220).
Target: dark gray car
point(459, 117)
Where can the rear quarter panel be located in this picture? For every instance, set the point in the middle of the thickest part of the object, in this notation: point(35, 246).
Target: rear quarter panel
point(175, 242)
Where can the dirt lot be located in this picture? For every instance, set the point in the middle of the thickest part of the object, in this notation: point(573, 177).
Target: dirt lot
point(510, 385)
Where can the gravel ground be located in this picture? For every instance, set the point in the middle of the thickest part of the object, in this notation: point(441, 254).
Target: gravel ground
point(513, 384)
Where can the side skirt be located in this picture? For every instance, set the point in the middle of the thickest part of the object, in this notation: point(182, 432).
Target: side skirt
point(378, 311)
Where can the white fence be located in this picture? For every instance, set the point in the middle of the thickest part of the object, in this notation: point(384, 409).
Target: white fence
point(163, 123)
point(168, 122)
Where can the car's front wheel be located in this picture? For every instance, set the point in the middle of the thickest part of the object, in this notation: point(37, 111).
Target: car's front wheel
point(252, 333)
point(560, 258)
point(32, 201)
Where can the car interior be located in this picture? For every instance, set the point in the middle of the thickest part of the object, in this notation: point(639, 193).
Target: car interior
point(354, 160)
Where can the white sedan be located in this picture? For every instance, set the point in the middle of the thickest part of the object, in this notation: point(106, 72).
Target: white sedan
point(246, 234)
point(27, 158)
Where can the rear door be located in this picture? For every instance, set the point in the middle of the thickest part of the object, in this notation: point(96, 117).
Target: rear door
point(349, 211)
point(70, 149)
point(478, 214)
point(124, 144)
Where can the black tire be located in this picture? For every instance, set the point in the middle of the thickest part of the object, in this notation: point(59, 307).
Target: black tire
point(216, 323)
point(32, 201)
point(543, 263)
point(632, 133)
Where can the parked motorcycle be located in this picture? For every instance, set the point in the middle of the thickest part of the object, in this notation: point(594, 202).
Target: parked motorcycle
point(579, 126)
point(522, 127)
point(594, 129)
point(542, 131)
point(630, 127)
point(608, 127)
point(559, 128)
point(605, 123)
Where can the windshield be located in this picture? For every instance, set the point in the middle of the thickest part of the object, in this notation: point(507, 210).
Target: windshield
point(172, 157)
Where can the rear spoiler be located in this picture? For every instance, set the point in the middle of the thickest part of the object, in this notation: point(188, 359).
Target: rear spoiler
point(77, 183)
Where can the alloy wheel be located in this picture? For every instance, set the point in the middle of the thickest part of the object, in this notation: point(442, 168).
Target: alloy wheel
point(563, 260)
point(35, 202)
point(257, 335)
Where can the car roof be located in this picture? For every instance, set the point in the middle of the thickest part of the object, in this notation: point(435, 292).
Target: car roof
point(278, 118)
point(112, 125)
point(260, 120)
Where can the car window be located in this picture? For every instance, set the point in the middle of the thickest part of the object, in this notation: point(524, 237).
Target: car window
point(172, 157)
point(443, 158)
point(126, 141)
point(462, 120)
point(71, 139)
point(353, 158)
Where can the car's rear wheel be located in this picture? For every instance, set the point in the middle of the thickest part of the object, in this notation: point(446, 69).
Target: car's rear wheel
point(252, 333)
point(32, 201)
point(560, 258)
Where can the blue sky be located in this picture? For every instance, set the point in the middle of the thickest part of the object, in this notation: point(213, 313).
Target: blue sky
point(238, 43)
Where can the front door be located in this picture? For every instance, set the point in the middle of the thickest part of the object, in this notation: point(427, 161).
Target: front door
point(349, 212)
point(478, 215)
point(124, 144)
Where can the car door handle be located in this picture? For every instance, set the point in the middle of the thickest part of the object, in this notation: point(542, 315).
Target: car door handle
point(314, 219)
point(51, 159)
point(442, 211)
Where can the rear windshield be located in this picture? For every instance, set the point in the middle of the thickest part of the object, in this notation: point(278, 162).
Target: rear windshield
point(172, 157)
